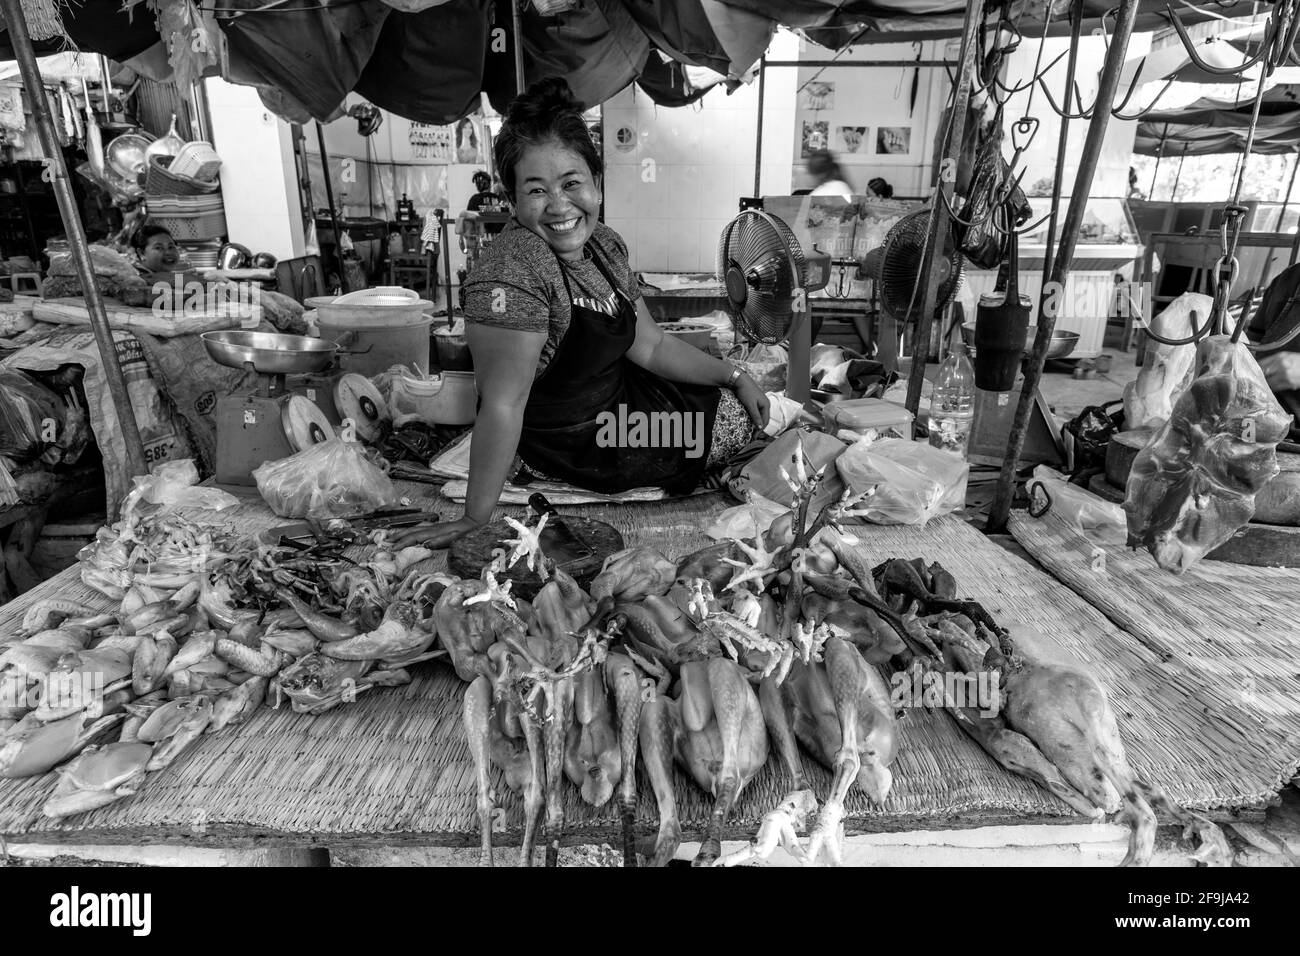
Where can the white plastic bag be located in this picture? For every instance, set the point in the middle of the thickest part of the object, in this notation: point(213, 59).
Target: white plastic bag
point(1092, 517)
point(172, 485)
point(334, 479)
point(739, 522)
point(904, 482)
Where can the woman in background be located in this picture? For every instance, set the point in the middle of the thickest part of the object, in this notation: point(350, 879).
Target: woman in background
point(156, 252)
point(828, 177)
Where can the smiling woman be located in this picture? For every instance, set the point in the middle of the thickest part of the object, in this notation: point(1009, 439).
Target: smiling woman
point(562, 341)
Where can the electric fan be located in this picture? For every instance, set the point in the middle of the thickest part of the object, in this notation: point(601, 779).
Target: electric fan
point(768, 277)
point(900, 262)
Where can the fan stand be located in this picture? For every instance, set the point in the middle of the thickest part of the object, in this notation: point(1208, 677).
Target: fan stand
point(798, 369)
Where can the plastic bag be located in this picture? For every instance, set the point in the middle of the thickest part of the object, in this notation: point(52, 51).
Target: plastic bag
point(1092, 517)
point(172, 484)
point(334, 479)
point(742, 521)
point(762, 474)
point(904, 482)
point(31, 416)
point(1166, 370)
point(765, 364)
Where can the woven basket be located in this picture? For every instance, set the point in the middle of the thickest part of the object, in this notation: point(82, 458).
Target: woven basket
point(207, 225)
point(160, 181)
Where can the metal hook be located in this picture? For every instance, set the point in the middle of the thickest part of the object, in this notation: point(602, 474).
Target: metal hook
point(1146, 109)
point(1189, 46)
point(1013, 90)
point(1056, 107)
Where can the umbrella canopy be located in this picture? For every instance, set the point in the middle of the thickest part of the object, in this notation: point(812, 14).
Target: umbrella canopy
point(428, 60)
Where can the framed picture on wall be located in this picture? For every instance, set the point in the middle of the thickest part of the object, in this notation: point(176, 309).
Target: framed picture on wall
point(851, 139)
point(815, 136)
point(894, 140)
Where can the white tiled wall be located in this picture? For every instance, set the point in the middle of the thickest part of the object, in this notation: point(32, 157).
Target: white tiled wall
point(257, 175)
point(671, 194)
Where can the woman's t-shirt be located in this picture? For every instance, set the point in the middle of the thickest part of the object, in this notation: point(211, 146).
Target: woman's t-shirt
point(517, 284)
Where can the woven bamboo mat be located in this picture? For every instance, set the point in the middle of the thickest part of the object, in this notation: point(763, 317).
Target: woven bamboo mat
point(394, 767)
point(1234, 627)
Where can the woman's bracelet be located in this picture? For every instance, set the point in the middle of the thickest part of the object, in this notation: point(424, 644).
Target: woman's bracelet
point(734, 377)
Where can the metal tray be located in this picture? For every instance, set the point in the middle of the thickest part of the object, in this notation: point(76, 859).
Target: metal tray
point(269, 352)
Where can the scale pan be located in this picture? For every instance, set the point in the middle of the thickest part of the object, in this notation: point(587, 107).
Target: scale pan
point(270, 353)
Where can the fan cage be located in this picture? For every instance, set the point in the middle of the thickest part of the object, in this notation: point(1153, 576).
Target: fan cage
point(767, 252)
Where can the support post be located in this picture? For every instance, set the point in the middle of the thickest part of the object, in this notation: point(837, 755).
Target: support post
point(1286, 197)
point(1178, 174)
point(1160, 152)
point(939, 225)
point(1063, 139)
point(21, 41)
point(758, 140)
point(518, 27)
point(1049, 303)
point(334, 215)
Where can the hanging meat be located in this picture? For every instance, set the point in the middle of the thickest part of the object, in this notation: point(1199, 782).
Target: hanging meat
point(1195, 482)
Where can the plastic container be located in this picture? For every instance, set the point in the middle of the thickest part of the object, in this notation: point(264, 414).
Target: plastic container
point(952, 403)
point(376, 328)
point(862, 415)
point(451, 350)
point(446, 399)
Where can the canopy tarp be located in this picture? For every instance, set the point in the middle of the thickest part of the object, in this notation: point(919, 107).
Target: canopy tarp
point(1164, 139)
point(1280, 106)
point(428, 60)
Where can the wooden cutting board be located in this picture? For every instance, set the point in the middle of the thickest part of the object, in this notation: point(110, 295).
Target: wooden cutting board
point(130, 318)
point(470, 554)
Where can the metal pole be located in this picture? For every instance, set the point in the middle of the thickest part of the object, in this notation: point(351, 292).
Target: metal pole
point(867, 64)
point(1178, 174)
point(519, 43)
point(939, 226)
point(1286, 197)
point(758, 142)
point(334, 216)
point(1062, 141)
point(1049, 303)
point(21, 41)
point(1160, 152)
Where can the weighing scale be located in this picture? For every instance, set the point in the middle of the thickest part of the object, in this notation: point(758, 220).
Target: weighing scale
point(268, 421)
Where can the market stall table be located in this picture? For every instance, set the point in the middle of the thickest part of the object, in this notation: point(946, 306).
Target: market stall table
point(393, 768)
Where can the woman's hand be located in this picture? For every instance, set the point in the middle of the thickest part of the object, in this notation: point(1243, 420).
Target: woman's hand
point(1281, 370)
point(754, 400)
point(438, 535)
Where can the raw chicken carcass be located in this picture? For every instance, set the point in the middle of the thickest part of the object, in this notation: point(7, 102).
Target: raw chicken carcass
point(1195, 482)
point(632, 574)
point(715, 731)
point(1167, 369)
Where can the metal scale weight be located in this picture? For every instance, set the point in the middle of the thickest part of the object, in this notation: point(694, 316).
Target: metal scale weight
point(278, 416)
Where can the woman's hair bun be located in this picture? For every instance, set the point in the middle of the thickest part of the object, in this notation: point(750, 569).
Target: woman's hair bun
point(544, 99)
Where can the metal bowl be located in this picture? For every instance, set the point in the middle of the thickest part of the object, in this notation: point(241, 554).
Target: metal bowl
point(125, 155)
point(269, 353)
point(1063, 343)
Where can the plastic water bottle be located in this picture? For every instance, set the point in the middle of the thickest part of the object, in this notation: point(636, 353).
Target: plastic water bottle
point(952, 403)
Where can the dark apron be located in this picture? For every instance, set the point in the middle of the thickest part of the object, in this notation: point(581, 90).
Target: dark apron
point(590, 374)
